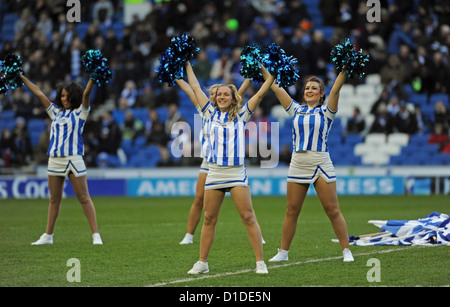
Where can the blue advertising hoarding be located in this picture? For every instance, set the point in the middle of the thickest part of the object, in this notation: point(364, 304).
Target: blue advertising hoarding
point(30, 187)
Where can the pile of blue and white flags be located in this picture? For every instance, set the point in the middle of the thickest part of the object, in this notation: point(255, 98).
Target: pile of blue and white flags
point(434, 229)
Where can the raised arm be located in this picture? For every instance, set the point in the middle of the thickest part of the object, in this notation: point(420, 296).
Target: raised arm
point(282, 95)
point(87, 94)
point(333, 97)
point(188, 90)
point(244, 87)
point(36, 91)
point(256, 99)
point(201, 97)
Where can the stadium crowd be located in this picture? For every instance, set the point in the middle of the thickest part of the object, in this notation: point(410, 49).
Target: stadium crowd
point(409, 49)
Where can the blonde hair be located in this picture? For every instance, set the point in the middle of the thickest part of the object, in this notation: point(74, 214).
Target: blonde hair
point(236, 100)
point(212, 88)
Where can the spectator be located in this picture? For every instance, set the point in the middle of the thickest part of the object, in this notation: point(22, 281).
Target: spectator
point(439, 136)
point(129, 93)
point(45, 25)
point(110, 134)
point(8, 149)
point(382, 122)
point(355, 124)
point(221, 68)
point(21, 136)
point(23, 22)
point(401, 35)
point(131, 127)
point(320, 54)
point(393, 105)
point(442, 114)
point(165, 160)
point(203, 66)
point(382, 99)
point(168, 95)
point(392, 73)
point(404, 120)
point(174, 116)
point(103, 12)
point(157, 135)
point(147, 99)
point(43, 143)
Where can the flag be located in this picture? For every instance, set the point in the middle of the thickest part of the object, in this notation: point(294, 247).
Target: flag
point(434, 229)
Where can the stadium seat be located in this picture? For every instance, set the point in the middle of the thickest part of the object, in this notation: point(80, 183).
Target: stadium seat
point(375, 138)
point(375, 158)
point(439, 97)
point(420, 99)
point(373, 79)
point(7, 115)
point(36, 124)
point(163, 114)
point(139, 143)
point(398, 138)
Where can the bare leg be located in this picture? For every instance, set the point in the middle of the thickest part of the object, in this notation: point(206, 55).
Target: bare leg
point(243, 201)
point(296, 194)
point(212, 204)
point(56, 187)
point(328, 197)
point(80, 187)
point(195, 213)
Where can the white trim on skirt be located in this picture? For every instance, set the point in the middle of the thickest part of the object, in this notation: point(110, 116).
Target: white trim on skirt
point(62, 166)
point(225, 177)
point(308, 166)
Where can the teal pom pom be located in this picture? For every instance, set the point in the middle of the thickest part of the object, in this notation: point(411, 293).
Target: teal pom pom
point(278, 63)
point(97, 66)
point(11, 70)
point(251, 56)
point(3, 86)
point(345, 58)
point(171, 63)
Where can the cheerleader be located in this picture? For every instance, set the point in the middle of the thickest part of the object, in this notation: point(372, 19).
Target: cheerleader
point(226, 121)
point(196, 209)
point(310, 162)
point(68, 114)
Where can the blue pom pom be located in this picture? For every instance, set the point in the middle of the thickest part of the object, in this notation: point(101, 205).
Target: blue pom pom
point(168, 69)
point(3, 86)
point(345, 58)
point(171, 64)
point(278, 63)
point(11, 70)
point(251, 56)
point(97, 66)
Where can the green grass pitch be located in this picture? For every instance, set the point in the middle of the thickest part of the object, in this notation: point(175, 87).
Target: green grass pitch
point(141, 248)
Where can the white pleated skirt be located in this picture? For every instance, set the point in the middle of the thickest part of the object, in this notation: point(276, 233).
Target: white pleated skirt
point(225, 177)
point(308, 166)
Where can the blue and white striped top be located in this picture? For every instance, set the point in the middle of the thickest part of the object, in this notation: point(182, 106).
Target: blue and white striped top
point(226, 139)
point(66, 130)
point(204, 134)
point(311, 126)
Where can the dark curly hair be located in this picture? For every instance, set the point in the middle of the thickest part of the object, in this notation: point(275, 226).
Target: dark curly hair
point(74, 94)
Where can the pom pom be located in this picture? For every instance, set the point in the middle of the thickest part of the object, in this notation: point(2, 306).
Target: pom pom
point(345, 58)
point(250, 59)
point(278, 63)
point(3, 86)
point(183, 48)
point(97, 66)
point(168, 70)
point(171, 64)
point(11, 70)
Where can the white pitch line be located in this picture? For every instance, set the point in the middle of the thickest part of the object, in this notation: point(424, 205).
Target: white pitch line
point(199, 277)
